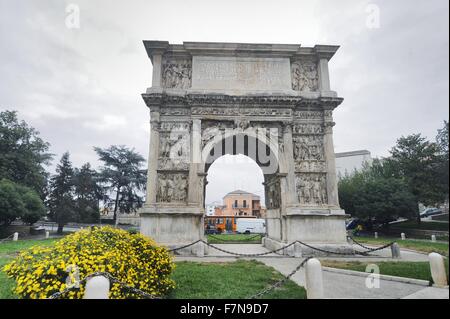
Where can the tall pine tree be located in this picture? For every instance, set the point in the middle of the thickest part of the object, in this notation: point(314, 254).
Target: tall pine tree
point(123, 175)
point(88, 194)
point(61, 201)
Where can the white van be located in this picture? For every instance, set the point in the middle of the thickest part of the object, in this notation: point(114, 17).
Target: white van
point(250, 225)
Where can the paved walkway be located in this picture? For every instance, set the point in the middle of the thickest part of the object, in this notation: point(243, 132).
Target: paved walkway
point(336, 285)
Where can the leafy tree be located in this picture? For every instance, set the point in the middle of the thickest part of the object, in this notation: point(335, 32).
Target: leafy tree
point(442, 139)
point(417, 162)
point(17, 201)
point(122, 174)
point(61, 198)
point(23, 153)
point(373, 193)
point(88, 194)
point(34, 207)
point(442, 168)
point(11, 204)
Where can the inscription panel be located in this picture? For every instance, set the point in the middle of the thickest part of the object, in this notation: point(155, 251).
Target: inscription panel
point(241, 73)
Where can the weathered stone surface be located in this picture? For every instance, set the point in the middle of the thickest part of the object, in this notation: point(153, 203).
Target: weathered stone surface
point(241, 73)
point(211, 99)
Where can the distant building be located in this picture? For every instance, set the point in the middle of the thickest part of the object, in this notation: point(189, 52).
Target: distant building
point(211, 208)
point(348, 162)
point(241, 203)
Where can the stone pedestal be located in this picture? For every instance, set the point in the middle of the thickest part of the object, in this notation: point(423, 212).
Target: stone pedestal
point(173, 226)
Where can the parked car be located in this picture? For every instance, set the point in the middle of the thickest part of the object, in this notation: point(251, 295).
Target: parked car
point(351, 223)
point(430, 212)
point(211, 230)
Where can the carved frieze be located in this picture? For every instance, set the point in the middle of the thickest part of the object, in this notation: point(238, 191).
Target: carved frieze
point(310, 166)
point(177, 73)
point(172, 187)
point(211, 129)
point(308, 115)
point(235, 111)
point(307, 129)
point(308, 147)
point(305, 77)
point(311, 188)
point(174, 111)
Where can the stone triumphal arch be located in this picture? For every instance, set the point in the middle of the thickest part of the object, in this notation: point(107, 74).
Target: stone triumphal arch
point(271, 102)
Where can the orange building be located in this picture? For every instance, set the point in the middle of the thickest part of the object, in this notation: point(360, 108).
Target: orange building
point(241, 203)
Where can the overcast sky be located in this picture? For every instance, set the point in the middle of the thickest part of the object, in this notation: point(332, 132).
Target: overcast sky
point(80, 87)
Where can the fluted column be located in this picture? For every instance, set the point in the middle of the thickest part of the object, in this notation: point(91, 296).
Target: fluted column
point(152, 173)
point(288, 157)
point(332, 186)
point(195, 192)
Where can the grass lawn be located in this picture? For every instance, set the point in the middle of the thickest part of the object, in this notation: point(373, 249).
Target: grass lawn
point(239, 279)
point(13, 247)
point(425, 246)
point(235, 238)
point(416, 270)
point(412, 224)
point(6, 284)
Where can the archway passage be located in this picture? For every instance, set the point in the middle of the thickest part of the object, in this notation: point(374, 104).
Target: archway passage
point(234, 201)
point(272, 103)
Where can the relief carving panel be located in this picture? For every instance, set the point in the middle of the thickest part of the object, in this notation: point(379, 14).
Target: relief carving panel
point(177, 73)
point(305, 77)
point(172, 187)
point(311, 188)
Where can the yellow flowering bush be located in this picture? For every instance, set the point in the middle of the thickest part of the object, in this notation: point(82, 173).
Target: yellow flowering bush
point(131, 258)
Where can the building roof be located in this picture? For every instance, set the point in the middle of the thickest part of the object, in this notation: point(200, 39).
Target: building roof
point(352, 153)
point(241, 192)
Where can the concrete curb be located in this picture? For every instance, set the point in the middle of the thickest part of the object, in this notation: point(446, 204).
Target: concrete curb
point(412, 281)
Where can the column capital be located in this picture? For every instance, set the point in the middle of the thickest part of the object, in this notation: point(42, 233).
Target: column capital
point(328, 127)
point(287, 127)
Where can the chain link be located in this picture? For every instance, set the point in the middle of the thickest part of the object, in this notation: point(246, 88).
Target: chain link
point(369, 249)
point(362, 253)
point(247, 255)
point(5, 239)
point(281, 282)
point(185, 246)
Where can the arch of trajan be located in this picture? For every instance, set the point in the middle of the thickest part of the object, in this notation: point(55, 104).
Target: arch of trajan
point(271, 102)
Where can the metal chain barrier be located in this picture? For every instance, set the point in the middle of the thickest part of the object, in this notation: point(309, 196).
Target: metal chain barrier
point(323, 250)
point(362, 253)
point(185, 246)
point(369, 249)
point(281, 282)
point(112, 280)
point(5, 239)
point(247, 255)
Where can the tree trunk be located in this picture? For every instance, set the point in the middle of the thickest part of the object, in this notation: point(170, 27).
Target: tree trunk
point(60, 229)
point(418, 214)
point(116, 204)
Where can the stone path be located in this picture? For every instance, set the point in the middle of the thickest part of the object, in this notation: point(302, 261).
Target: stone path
point(336, 285)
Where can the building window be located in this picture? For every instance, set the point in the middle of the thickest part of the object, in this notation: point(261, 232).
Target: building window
point(245, 203)
point(235, 203)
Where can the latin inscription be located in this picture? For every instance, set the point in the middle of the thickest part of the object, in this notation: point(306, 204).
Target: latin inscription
point(241, 73)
